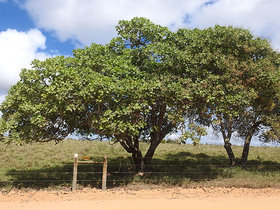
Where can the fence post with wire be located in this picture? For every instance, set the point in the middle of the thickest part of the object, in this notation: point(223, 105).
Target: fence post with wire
point(75, 171)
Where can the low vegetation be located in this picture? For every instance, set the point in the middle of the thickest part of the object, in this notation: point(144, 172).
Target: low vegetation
point(42, 165)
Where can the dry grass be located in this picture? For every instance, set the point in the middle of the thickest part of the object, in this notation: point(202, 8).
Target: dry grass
point(48, 165)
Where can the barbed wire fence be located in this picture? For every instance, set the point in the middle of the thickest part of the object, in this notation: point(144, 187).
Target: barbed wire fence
point(123, 172)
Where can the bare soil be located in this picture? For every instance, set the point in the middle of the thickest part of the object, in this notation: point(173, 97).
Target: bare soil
point(141, 197)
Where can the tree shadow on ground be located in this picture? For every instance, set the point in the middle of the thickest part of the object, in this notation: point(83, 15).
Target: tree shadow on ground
point(171, 169)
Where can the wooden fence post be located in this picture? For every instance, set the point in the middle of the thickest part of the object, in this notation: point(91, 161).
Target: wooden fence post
point(75, 172)
point(104, 175)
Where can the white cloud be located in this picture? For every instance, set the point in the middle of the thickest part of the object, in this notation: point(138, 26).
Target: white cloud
point(259, 16)
point(17, 50)
point(94, 20)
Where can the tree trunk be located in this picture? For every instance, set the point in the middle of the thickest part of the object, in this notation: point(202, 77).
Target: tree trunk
point(226, 130)
point(246, 148)
point(227, 144)
point(150, 153)
point(142, 163)
point(139, 162)
point(247, 142)
point(159, 131)
point(230, 153)
point(134, 149)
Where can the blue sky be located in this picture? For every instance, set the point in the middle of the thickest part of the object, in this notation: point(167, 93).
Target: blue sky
point(14, 16)
point(40, 29)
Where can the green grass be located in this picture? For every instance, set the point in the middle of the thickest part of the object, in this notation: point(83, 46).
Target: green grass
point(43, 165)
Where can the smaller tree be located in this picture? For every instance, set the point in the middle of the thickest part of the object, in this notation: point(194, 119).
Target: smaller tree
point(235, 77)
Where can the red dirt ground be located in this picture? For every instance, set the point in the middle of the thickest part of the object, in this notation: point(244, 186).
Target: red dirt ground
point(142, 198)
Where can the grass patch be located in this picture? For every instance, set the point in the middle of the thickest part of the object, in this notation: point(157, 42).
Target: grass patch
point(44, 165)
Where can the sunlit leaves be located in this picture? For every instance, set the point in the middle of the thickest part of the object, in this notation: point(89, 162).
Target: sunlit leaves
point(236, 76)
point(146, 82)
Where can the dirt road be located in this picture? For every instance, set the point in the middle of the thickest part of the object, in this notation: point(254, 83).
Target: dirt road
point(154, 198)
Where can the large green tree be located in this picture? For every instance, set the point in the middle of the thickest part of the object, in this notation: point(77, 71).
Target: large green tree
point(236, 79)
point(124, 91)
point(146, 83)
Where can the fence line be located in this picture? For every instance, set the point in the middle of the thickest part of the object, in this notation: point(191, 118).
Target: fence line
point(179, 165)
point(132, 172)
point(98, 180)
point(120, 172)
point(116, 172)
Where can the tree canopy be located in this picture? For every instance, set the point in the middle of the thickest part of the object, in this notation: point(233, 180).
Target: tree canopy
point(147, 83)
point(237, 81)
point(121, 91)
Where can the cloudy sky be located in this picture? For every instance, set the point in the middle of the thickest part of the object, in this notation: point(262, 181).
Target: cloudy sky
point(32, 29)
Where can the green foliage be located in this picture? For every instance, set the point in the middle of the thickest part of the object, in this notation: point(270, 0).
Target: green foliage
point(122, 91)
point(195, 132)
point(147, 83)
point(236, 78)
point(37, 107)
point(2, 129)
